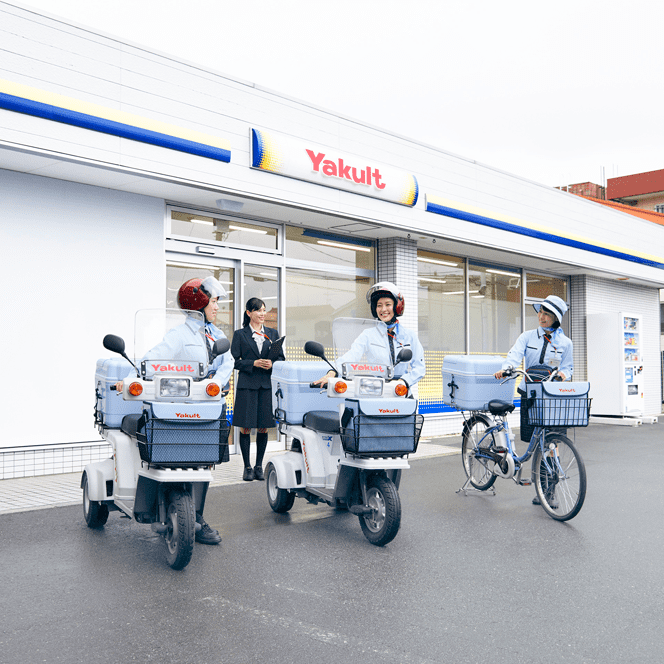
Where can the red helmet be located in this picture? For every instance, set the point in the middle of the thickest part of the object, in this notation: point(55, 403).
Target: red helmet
point(195, 294)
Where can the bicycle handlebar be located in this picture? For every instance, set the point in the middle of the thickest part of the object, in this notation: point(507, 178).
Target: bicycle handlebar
point(512, 372)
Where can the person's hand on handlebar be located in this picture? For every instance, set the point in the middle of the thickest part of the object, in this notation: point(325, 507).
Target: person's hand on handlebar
point(322, 382)
point(503, 373)
point(119, 385)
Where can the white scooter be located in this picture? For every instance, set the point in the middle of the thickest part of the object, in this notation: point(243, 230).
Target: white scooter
point(347, 445)
point(167, 429)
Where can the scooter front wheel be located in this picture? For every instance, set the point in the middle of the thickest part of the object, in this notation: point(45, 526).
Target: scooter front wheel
point(94, 512)
point(382, 524)
point(280, 500)
point(180, 529)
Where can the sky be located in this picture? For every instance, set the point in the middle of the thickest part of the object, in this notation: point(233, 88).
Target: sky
point(557, 93)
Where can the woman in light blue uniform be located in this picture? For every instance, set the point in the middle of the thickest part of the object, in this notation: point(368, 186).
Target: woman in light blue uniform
point(546, 345)
point(381, 345)
point(193, 340)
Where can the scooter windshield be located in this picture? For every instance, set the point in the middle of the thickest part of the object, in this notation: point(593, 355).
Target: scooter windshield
point(170, 340)
point(363, 344)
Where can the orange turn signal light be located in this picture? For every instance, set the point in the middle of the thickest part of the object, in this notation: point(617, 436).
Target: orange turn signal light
point(135, 389)
point(212, 390)
point(340, 387)
point(401, 390)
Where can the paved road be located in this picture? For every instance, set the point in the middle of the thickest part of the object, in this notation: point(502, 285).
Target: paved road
point(467, 580)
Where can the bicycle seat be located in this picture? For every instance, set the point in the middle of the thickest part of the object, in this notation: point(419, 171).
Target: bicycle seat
point(498, 407)
point(326, 421)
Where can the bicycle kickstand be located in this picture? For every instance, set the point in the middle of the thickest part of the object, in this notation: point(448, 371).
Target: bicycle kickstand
point(466, 488)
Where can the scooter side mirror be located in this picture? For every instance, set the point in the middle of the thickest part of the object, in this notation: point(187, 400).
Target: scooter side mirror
point(315, 349)
point(405, 355)
point(114, 343)
point(220, 347)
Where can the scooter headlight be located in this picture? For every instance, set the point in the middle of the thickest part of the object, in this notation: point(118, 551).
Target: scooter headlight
point(173, 387)
point(371, 387)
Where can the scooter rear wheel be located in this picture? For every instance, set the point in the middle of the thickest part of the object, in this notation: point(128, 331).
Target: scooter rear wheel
point(382, 525)
point(94, 512)
point(280, 500)
point(181, 529)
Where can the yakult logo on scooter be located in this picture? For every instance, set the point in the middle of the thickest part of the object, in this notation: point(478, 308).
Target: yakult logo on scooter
point(385, 411)
point(172, 367)
point(188, 415)
point(379, 368)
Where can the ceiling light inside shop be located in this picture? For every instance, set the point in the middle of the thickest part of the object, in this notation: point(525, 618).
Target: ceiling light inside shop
point(437, 281)
point(344, 246)
point(248, 230)
point(437, 262)
point(207, 222)
point(507, 274)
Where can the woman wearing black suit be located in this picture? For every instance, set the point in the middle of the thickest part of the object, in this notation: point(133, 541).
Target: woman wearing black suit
point(253, 396)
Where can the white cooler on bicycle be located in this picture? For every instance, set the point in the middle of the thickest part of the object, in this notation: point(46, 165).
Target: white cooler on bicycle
point(558, 404)
point(469, 382)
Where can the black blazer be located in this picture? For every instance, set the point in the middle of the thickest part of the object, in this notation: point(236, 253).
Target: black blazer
point(245, 351)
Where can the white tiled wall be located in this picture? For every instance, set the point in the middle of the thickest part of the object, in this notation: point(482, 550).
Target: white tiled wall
point(50, 459)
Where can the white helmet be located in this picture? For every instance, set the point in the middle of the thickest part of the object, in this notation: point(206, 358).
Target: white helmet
point(385, 289)
point(555, 305)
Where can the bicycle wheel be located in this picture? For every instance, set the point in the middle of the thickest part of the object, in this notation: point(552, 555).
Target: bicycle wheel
point(560, 477)
point(478, 469)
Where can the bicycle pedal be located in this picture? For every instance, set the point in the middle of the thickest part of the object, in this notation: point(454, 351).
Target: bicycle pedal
point(523, 482)
point(500, 450)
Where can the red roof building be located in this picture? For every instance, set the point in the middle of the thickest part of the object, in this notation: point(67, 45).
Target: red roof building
point(644, 191)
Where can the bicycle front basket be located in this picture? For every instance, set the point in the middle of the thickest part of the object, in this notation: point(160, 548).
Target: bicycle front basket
point(558, 404)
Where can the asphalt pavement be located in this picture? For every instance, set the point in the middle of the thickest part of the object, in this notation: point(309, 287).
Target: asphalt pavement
point(468, 579)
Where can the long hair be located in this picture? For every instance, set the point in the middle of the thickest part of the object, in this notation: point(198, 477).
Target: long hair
point(253, 304)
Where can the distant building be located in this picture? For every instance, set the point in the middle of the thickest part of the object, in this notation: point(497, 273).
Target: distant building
point(642, 190)
point(586, 189)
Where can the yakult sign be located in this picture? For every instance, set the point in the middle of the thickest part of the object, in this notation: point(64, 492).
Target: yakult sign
point(303, 160)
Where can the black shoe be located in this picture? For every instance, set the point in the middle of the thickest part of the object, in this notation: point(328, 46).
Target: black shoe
point(207, 535)
point(248, 474)
point(553, 504)
point(536, 501)
point(258, 473)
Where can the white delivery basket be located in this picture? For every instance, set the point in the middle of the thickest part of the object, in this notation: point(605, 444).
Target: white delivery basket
point(291, 395)
point(469, 382)
point(558, 404)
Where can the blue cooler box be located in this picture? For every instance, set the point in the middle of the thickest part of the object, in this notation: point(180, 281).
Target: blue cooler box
point(110, 407)
point(469, 382)
point(291, 395)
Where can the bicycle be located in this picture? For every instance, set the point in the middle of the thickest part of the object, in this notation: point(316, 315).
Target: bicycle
point(557, 470)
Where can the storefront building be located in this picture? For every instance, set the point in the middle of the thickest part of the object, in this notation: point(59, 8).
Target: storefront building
point(124, 173)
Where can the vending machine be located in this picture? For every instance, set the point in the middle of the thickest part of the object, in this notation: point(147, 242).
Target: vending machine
point(615, 364)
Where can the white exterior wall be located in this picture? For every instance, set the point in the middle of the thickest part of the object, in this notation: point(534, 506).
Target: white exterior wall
point(77, 262)
point(56, 57)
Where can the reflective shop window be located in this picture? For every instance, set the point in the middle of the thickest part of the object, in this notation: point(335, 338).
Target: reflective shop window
point(538, 287)
point(205, 228)
point(317, 247)
point(314, 299)
point(263, 282)
point(441, 319)
point(494, 301)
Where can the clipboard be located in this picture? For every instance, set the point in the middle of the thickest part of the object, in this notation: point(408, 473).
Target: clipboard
point(275, 349)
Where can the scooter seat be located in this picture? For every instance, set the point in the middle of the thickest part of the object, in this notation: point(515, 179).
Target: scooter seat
point(131, 424)
point(498, 407)
point(322, 420)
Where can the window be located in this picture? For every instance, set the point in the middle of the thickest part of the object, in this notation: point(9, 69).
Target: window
point(494, 307)
point(659, 208)
point(224, 230)
point(538, 287)
point(317, 247)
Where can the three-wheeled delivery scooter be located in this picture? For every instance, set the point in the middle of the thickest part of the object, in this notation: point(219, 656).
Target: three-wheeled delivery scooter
point(167, 429)
point(346, 444)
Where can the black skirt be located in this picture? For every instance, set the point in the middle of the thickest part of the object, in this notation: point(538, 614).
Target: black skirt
point(253, 409)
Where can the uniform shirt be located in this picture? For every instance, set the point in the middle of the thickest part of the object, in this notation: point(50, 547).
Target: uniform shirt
point(373, 346)
point(528, 347)
point(189, 342)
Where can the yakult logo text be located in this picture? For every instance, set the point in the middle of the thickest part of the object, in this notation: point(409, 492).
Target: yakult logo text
point(172, 367)
point(387, 410)
point(337, 169)
point(368, 367)
point(188, 415)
